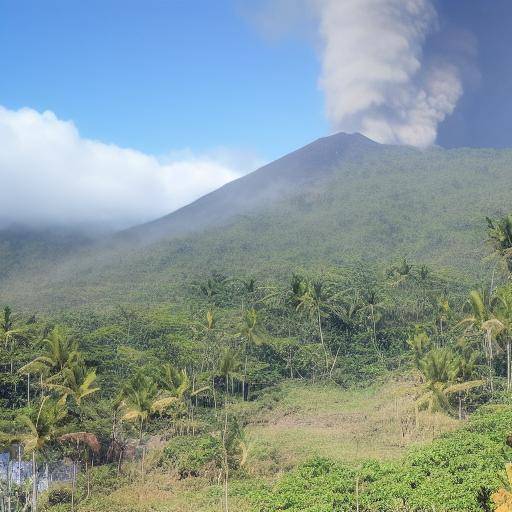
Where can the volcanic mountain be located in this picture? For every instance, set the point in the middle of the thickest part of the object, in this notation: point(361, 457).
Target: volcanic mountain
point(340, 200)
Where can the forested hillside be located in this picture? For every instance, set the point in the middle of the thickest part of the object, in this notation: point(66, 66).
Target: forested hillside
point(326, 391)
point(340, 201)
point(330, 333)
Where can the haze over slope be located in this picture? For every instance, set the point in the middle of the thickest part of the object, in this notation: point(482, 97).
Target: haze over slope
point(338, 200)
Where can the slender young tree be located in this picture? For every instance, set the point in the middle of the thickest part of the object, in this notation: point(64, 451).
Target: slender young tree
point(252, 335)
point(503, 313)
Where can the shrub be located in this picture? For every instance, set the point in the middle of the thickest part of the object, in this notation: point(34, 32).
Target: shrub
point(457, 472)
point(193, 455)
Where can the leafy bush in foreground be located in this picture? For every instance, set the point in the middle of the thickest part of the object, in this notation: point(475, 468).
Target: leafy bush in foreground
point(457, 472)
point(192, 456)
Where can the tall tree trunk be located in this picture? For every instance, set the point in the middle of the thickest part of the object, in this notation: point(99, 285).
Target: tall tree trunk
point(34, 482)
point(142, 469)
point(9, 478)
point(73, 486)
point(19, 464)
point(508, 364)
point(322, 338)
point(245, 374)
point(225, 462)
point(357, 493)
point(88, 479)
point(374, 325)
point(214, 396)
point(490, 359)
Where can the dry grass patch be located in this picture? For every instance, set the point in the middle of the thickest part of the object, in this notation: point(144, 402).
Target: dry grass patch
point(161, 493)
point(311, 420)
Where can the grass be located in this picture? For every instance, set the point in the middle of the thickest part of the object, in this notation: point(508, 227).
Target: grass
point(308, 420)
point(286, 426)
point(159, 493)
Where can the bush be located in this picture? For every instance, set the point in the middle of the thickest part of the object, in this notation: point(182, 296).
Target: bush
point(193, 455)
point(56, 498)
point(457, 472)
point(58, 495)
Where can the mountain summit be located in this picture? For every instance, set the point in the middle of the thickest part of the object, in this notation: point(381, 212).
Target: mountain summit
point(338, 200)
point(272, 182)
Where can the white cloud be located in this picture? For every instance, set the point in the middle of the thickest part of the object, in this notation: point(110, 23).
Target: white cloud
point(50, 174)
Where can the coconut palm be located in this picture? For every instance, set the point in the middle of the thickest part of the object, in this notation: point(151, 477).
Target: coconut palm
point(420, 344)
point(401, 272)
point(440, 369)
point(172, 380)
point(252, 334)
point(141, 398)
point(10, 333)
point(228, 368)
point(311, 297)
point(503, 311)
point(76, 382)
point(347, 313)
point(500, 235)
point(60, 352)
point(375, 306)
point(137, 400)
point(482, 320)
point(42, 425)
point(444, 313)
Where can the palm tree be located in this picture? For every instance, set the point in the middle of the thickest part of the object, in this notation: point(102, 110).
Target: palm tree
point(10, 333)
point(311, 297)
point(440, 369)
point(500, 235)
point(401, 272)
point(347, 313)
point(467, 367)
point(139, 400)
point(42, 426)
point(228, 366)
point(60, 352)
point(375, 306)
point(420, 344)
point(142, 397)
point(503, 313)
point(482, 320)
point(443, 312)
point(76, 381)
point(172, 380)
point(252, 335)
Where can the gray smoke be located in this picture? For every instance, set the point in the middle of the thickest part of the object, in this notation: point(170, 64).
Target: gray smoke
point(374, 74)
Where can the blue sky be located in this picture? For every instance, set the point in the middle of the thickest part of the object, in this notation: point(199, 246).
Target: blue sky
point(153, 103)
point(161, 75)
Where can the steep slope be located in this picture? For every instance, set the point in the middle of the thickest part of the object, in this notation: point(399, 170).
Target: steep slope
point(23, 248)
point(258, 190)
point(336, 201)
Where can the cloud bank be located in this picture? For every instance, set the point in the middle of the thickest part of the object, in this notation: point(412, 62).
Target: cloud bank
point(51, 175)
point(374, 74)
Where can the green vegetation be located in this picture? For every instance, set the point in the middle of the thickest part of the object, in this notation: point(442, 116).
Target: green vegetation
point(341, 206)
point(369, 387)
point(457, 472)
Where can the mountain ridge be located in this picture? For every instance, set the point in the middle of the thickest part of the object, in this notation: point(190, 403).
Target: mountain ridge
point(340, 200)
point(300, 165)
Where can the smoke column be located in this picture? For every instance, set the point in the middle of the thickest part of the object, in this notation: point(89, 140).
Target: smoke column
point(375, 76)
